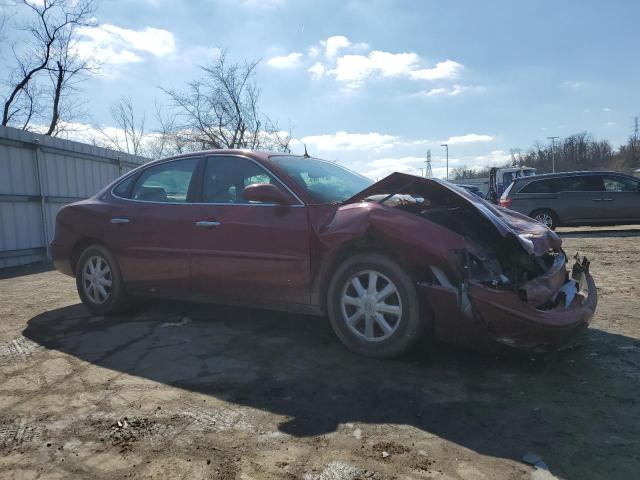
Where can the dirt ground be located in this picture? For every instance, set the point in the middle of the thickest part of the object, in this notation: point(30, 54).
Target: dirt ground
point(194, 391)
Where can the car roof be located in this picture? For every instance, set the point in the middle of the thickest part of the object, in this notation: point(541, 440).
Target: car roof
point(577, 173)
point(255, 154)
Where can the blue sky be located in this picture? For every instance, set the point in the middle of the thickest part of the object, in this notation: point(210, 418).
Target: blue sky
point(375, 84)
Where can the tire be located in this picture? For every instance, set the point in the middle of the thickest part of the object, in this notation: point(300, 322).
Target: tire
point(545, 217)
point(112, 298)
point(367, 334)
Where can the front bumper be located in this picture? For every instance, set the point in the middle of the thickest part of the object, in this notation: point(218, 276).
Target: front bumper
point(490, 315)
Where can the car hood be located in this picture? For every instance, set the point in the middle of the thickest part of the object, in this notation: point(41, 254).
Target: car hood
point(534, 237)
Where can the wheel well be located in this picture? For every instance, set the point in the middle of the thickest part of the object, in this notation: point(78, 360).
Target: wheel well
point(79, 247)
point(550, 210)
point(366, 244)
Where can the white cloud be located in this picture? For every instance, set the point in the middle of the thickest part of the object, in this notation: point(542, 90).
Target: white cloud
point(468, 138)
point(334, 44)
point(285, 61)
point(446, 69)
point(495, 157)
point(572, 84)
point(115, 45)
point(350, 141)
point(453, 91)
point(606, 109)
point(317, 70)
point(382, 167)
point(353, 70)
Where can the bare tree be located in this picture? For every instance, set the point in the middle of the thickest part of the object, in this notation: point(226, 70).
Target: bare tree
point(221, 110)
point(54, 21)
point(69, 70)
point(128, 133)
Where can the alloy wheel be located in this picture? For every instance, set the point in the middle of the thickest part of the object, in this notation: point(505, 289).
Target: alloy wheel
point(97, 279)
point(545, 219)
point(371, 306)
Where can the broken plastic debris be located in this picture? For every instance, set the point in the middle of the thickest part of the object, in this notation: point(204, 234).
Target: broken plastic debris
point(385, 454)
point(182, 322)
point(570, 289)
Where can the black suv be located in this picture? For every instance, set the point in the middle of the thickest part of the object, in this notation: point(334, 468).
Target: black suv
point(576, 198)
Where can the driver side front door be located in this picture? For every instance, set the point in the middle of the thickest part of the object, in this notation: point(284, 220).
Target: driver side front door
point(246, 252)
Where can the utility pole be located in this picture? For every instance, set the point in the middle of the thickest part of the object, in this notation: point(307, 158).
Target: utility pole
point(635, 139)
point(553, 153)
point(428, 172)
point(446, 145)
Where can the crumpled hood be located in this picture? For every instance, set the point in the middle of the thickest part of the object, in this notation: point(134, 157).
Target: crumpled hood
point(534, 237)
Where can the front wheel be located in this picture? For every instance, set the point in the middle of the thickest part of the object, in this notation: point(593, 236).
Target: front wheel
point(373, 306)
point(99, 282)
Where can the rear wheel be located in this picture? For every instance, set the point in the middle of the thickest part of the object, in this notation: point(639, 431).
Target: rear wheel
point(546, 217)
point(99, 282)
point(373, 306)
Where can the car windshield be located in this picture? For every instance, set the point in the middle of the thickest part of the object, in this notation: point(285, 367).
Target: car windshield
point(325, 181)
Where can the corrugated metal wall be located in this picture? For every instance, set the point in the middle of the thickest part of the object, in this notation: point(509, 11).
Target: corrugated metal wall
point(40, 174)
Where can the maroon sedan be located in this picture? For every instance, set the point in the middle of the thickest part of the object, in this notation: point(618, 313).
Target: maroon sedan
point(387, 261)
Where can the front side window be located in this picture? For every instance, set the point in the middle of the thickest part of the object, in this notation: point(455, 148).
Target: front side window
point(226, 177)
point(507, 178)
point(584, 183)
point(168, 182)
point(621, 184)
point(325, 182)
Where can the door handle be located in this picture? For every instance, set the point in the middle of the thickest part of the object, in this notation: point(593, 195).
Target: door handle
point(119, 220)
point(208, 223)
point(596, 199)
point(608, 199)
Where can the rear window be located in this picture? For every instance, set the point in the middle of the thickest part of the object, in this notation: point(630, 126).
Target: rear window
point(539, 186)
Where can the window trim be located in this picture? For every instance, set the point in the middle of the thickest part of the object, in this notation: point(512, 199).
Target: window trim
point(200, 186)
point(196, 172)
point(563, 191)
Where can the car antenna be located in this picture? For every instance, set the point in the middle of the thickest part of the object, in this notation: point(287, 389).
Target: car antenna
point(306, 155)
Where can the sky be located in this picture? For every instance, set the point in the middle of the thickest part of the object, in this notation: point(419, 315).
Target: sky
point(375, 84)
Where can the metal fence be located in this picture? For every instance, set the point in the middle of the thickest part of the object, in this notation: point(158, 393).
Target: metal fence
point(40, 174)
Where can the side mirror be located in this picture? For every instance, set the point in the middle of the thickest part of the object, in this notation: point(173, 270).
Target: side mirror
point(266, 193)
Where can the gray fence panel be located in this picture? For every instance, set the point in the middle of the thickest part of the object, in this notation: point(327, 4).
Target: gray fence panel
point(68, 171)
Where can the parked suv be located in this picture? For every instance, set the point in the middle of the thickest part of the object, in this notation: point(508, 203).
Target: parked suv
point(576, 198)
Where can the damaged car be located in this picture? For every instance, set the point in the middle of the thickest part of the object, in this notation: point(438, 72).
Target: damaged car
point(388, 262)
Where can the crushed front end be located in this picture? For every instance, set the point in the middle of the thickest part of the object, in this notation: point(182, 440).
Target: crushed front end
point(542, 314)
point(506, 279)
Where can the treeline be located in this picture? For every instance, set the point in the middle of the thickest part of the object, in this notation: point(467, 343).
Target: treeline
point(580, 151)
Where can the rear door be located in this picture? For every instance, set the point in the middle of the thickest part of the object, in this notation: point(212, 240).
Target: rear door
point(149, 227)
point(579, 198)
point(255, 253)
point(621, 200)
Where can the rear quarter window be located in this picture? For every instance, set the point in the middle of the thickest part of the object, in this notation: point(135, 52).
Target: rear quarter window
point(539, 186)
point(123, 189)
